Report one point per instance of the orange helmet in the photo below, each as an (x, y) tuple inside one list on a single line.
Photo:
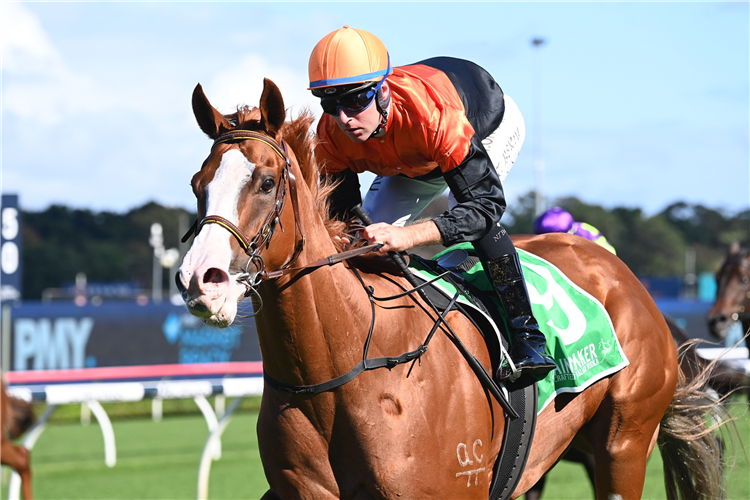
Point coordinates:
[(348, 56)]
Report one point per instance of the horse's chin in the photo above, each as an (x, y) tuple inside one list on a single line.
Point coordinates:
[(719, 324), (719, 332), (218, 321), (219, 312)]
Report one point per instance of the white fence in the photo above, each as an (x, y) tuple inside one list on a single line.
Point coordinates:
[(91, 394)]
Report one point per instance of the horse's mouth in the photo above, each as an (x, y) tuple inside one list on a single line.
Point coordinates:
[(217, 322), (719, 328), (218, 311), (219, 318), (213, 301), (198, 307)]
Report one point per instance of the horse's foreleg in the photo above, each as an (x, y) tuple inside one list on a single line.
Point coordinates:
[(17, 457)]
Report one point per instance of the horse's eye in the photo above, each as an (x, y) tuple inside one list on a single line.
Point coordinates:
[(745, 280), (267, 185)]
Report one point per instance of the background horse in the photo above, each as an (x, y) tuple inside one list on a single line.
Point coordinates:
[(17, 417), (426, 429), (732, 293)]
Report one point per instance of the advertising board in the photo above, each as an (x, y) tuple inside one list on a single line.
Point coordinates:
[(46, 336)]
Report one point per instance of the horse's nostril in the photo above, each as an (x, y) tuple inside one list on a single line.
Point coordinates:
[(715, 320), (216, 276)]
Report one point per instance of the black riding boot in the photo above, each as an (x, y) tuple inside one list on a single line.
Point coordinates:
[(527, 341)]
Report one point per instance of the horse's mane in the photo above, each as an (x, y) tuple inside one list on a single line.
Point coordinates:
[(297, 134)]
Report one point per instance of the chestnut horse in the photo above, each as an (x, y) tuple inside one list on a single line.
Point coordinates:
[(426, 429), (732, 293), (16, 417)]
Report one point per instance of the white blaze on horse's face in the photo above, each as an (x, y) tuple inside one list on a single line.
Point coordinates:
[(223, 192), (211, 292)]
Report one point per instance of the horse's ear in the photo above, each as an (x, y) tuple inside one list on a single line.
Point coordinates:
[(734, 248), (271, 108), (209, 119)]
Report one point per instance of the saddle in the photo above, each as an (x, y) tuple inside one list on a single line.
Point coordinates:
[(485, 314), (485, 307), (453, 262)]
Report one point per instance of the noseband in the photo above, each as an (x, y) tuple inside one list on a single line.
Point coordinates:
[(253, 246)]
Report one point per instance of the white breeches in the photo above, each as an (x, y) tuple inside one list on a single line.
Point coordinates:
[(399, 200)]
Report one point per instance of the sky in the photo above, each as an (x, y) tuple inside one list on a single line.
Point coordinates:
[(635, 104)]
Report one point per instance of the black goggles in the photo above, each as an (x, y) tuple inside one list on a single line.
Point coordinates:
[(353, 103)]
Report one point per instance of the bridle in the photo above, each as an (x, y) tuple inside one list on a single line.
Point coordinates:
[(253, 246)]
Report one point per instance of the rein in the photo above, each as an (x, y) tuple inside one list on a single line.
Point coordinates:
[(392, 361), (369, 363)]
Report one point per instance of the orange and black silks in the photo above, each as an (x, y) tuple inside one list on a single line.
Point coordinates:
[(441, 109)]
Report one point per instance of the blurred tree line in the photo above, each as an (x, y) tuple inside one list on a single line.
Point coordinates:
[(60, 242), (651, 245)]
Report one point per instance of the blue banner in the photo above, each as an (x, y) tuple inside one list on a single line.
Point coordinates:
[(59, 337)]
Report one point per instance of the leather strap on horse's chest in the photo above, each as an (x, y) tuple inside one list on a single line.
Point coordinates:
[(364, 365)]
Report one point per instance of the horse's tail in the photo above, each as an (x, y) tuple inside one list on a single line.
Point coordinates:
[(690, 448), (21, 417)]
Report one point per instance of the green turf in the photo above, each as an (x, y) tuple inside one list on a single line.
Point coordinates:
[(569, 480), (159, 460), (155, 460)]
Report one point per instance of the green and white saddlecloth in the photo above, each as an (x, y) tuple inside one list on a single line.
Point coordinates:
[(580, 335)]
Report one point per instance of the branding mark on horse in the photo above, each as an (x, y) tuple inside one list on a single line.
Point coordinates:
[(462, 451)]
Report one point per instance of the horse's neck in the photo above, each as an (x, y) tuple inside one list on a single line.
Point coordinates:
[(308, 315)]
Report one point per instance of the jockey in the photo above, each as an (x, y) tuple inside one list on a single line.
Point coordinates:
[(440, 123), (557, 220)]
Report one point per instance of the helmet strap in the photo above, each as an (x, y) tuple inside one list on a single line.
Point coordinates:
[(382, 105)]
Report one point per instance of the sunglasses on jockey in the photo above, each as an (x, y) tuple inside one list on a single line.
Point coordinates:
[(352, 99)]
